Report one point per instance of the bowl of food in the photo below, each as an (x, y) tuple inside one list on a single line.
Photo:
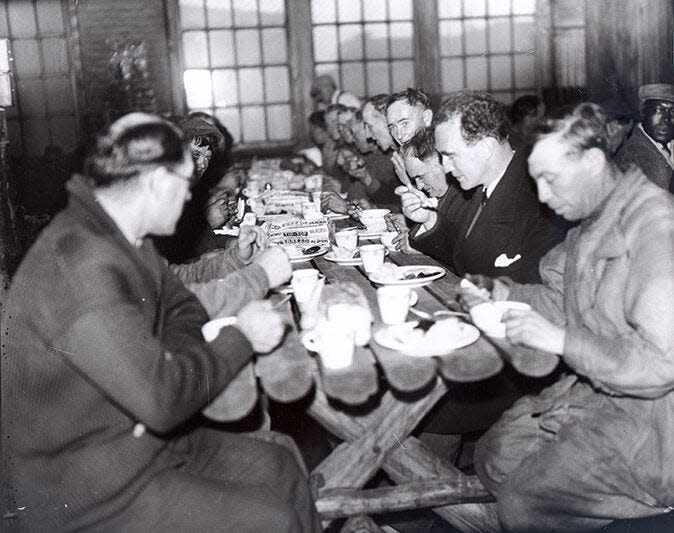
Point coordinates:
[(373, 219)]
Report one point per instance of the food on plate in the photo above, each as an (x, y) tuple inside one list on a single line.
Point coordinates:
[(311, 250), (418, 275)]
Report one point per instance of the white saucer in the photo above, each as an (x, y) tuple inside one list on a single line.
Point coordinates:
[(450, 335)]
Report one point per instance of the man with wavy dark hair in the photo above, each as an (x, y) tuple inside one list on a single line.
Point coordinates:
[(507, 230)]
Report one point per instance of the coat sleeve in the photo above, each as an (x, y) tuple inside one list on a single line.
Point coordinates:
[(212, 265), (223, 297), (639, 362), (160, 374)]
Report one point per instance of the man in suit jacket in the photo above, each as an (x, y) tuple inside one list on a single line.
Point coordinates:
[(105, 369), (650, 147), (505, 230)]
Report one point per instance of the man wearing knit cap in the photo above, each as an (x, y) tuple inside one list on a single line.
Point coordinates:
[(651, 145)]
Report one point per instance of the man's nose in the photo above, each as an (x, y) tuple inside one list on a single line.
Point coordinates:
[(543, 191), (447, 166)]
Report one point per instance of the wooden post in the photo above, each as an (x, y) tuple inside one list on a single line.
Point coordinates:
[(301, 65), (9, 243), (427, 49)]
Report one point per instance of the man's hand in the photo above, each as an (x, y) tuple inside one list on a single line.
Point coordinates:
[(411, 205), (275, 263), (396, 222), (531, 329), (401, 171), (219, 211), (261, 325), (488, 288), (252, 240), (331, 201)]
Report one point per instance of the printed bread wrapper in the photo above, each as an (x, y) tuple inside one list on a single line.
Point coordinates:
[(298, 231), (277, 202)]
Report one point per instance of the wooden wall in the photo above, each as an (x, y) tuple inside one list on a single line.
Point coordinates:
[(629, 43)]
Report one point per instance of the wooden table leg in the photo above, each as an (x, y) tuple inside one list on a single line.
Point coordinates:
[(409, 461)]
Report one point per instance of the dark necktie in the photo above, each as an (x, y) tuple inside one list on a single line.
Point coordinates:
[(483, 202)]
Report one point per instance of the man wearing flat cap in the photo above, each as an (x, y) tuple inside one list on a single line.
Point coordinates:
[(650, 146)]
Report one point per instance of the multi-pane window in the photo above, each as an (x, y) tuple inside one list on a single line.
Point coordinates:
[(44, 111), (488, 45), (366, 45), (235, 65)]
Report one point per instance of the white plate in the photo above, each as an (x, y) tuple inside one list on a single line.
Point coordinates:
[(306, 257), (437, 271), (336, 216), (449, 335), (370, 235), (349, 261)]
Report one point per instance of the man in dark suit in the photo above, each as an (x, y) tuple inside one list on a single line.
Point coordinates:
[(505, 230), (105, 369), (650, 147)]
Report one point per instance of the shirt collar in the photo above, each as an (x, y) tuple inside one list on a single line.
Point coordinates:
[(493, 184)]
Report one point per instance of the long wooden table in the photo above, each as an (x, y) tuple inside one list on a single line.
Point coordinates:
[(376, 403)]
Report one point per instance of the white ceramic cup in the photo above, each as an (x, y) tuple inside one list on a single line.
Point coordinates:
[(357, 317), (487, 316), (394, 303), (372, 256), (333, 341), (303, 282), (374, 219), (347, 238)]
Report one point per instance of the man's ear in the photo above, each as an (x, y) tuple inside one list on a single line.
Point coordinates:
[(427, 117), (486, 146), (154, 180), (594, 159)]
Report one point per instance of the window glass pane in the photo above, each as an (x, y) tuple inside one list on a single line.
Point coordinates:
[(403, 75), (449, 8), (49, 16), (219, 13), (279, 122), (476, 73), (64, 132), (498, 7), (351, 41), (26, 57), (374, 10), (501, 76), (4, 55), (476, 38), (21, 19), (192, 14), (348, 10), (272, 13), (323, 11), (452, 74), (505, 97), (525, 71), (6, 99), (400, 9), (525, 34), (253, 124), (60, 96), (245, 12), (250, 81), (499, 35), (474, 8), (377, 77), (198, 88), (55, 56), (567, 13), (248, 47), (276, 84), (376, 41), (354, 77), (331, 69), (222, 48), (194, 49), (450, 37), (36, 135), (225, 88), (401, 39), (274, 45), (325, 43), (524, 7), (231, 120), (31, 97)]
